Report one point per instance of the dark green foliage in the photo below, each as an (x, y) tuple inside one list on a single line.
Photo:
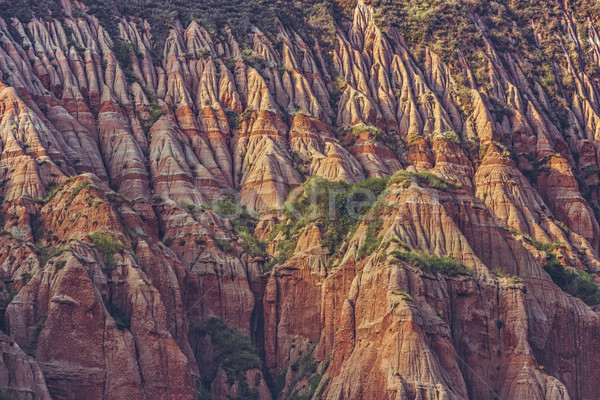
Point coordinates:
[(31, 344), (53, 189), (449, 136), (155, 111), (547, 247), (511, 278), (336, 208), (235, 353), (306, 367), (430, 262), (232, 118), (538, 167), (563, 227), (372, 240), (369, 246), (224, 245), (276, 382), (309, 18), (241, 220), (449, 29), (243, 225), (253, 246), (124, 52), (244, 117), (107, 245), (253, 59), (405, 296), (425, 178), (576, 283), (80, 186), (48, 252), (190, 206), (24, 10), (444, 23), (374, 131), (500, 109)]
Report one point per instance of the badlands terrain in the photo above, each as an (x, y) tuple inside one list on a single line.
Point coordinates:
[(299, 199)]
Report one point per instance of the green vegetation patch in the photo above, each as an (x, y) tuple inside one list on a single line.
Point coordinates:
[(243, 225), (53, 189), (335, 207), (430, 262), (80, 186), (576, 283), (48, 252), (107, 245), (405, 296), (307, 368), (235, 353), (372, 239), (425, 178), (511, 278), (374, 131)]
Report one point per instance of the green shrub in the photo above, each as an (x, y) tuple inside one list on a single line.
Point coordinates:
[(53, 189), (233, 118), (544, 246), (224, 245), (576, 283), (511, 278), (369, 246), (155, 111), (430, 262), (107, 246), (190, 206), (243, 225), (48, 252), (123, 52), (425, 178), (253, 246), (244, 117), (253, 59), (326, 204), (305, 368), (80, 186), (372, 240), (405, 296), (374, 131), (450, 136), (235, 352), (563, 227)]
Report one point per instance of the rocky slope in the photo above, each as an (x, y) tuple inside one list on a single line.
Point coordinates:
[(156, 241)]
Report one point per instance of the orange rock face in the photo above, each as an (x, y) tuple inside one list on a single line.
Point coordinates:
[(141, 199)]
